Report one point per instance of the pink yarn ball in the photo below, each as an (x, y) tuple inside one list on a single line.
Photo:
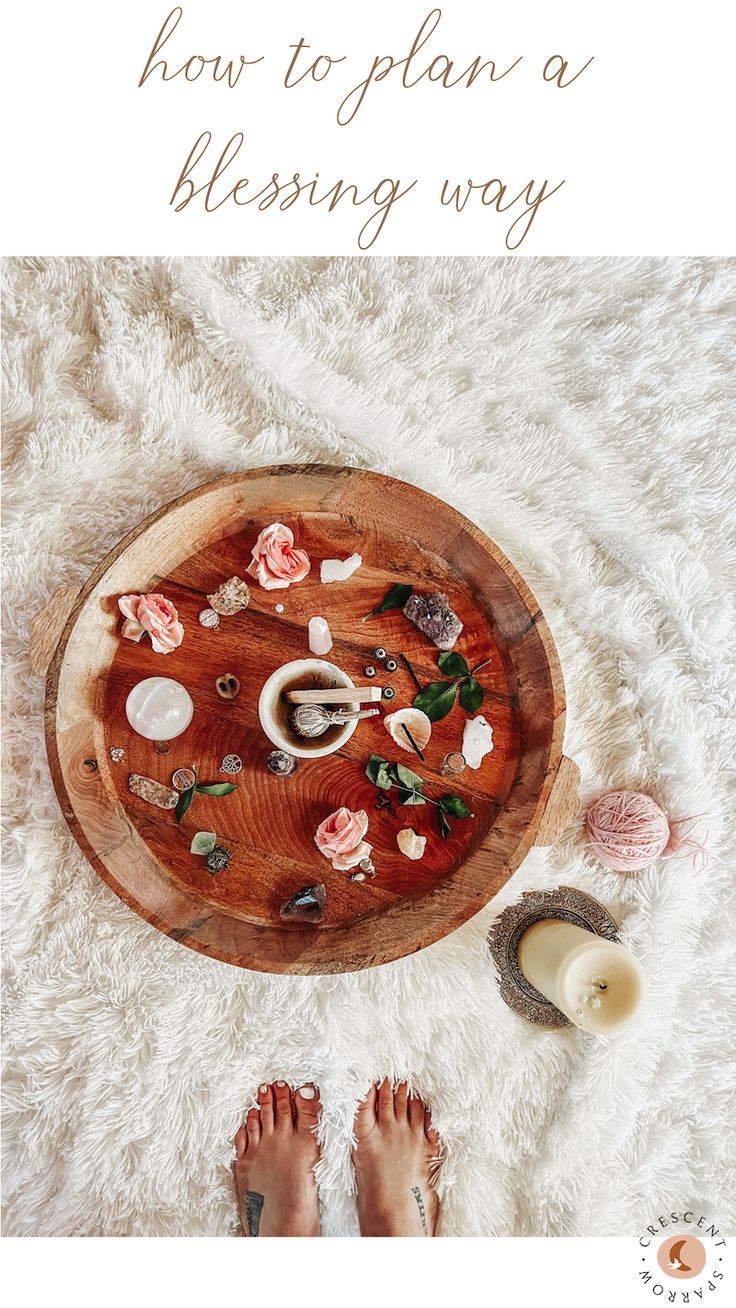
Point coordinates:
[(627, 831)]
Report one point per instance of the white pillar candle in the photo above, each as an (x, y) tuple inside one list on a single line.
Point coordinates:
[(320, 640), (597, 983), (159, 708)]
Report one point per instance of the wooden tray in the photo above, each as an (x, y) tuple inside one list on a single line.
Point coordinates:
[(524, 791)]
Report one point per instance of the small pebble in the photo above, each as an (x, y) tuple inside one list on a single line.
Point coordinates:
[(279, 608), (358, 876)]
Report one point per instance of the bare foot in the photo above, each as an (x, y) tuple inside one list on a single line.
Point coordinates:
[(395, 1146), (275, 1154)]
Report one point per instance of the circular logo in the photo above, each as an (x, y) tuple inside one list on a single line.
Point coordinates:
[(681, 1256)]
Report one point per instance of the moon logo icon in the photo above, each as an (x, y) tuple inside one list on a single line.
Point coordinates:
[(682, 1257), (676, 1262)]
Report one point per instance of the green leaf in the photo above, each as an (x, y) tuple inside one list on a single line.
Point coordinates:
[(453, 665), (445, 827), (219, 788), (455, 805), (376, 770), (406, 777), (395, 598), (183, 802), (437, 699), (472, 695), (409, 783), (203, 842), (406, 796)]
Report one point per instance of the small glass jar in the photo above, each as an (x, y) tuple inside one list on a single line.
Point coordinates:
[(453, 764)]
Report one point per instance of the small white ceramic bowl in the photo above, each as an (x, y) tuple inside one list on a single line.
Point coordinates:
[(271, 695)]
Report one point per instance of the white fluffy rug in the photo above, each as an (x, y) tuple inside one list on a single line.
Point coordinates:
[(579, 412)]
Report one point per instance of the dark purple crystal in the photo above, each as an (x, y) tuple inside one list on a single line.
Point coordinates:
[(432, 615), (307, 905)]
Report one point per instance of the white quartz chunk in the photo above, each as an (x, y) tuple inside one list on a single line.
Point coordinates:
[(339, 569), (477, 741), (410, 844)]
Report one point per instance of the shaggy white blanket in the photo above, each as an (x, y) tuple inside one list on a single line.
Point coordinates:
[(578, 411)]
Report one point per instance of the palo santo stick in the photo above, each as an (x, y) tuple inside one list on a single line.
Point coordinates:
[(345, 695)]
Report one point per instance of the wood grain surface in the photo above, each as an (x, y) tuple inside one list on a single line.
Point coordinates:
[(186, 550)]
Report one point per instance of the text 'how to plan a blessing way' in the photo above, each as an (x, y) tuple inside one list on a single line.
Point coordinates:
[(211, 173)]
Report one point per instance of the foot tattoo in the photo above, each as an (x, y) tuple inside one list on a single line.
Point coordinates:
[(253, 1208), (396, 1145), (420, 1205), (276, 1151)]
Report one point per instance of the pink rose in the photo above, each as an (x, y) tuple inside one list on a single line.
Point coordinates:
[(340, 838), (154, 614), (275, 561)]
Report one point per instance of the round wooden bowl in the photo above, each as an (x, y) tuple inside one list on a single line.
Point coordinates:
[(524, 791)]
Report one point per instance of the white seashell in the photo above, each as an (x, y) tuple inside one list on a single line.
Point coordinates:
[(477, 741), (339, 569), (410, 844), (416, 722)]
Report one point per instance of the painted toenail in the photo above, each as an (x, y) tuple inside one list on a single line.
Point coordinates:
[(306, 1092), (263, 1090), (281, 1083)]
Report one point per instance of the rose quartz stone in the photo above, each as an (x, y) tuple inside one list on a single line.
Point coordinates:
[(320, 640)]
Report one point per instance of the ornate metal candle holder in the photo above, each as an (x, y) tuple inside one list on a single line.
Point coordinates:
[(565, 903)]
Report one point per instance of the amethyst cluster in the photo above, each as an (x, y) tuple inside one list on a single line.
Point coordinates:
[(433, 616)]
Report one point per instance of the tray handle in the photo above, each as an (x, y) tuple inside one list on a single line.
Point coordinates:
[(563, 805), (46, 628)]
